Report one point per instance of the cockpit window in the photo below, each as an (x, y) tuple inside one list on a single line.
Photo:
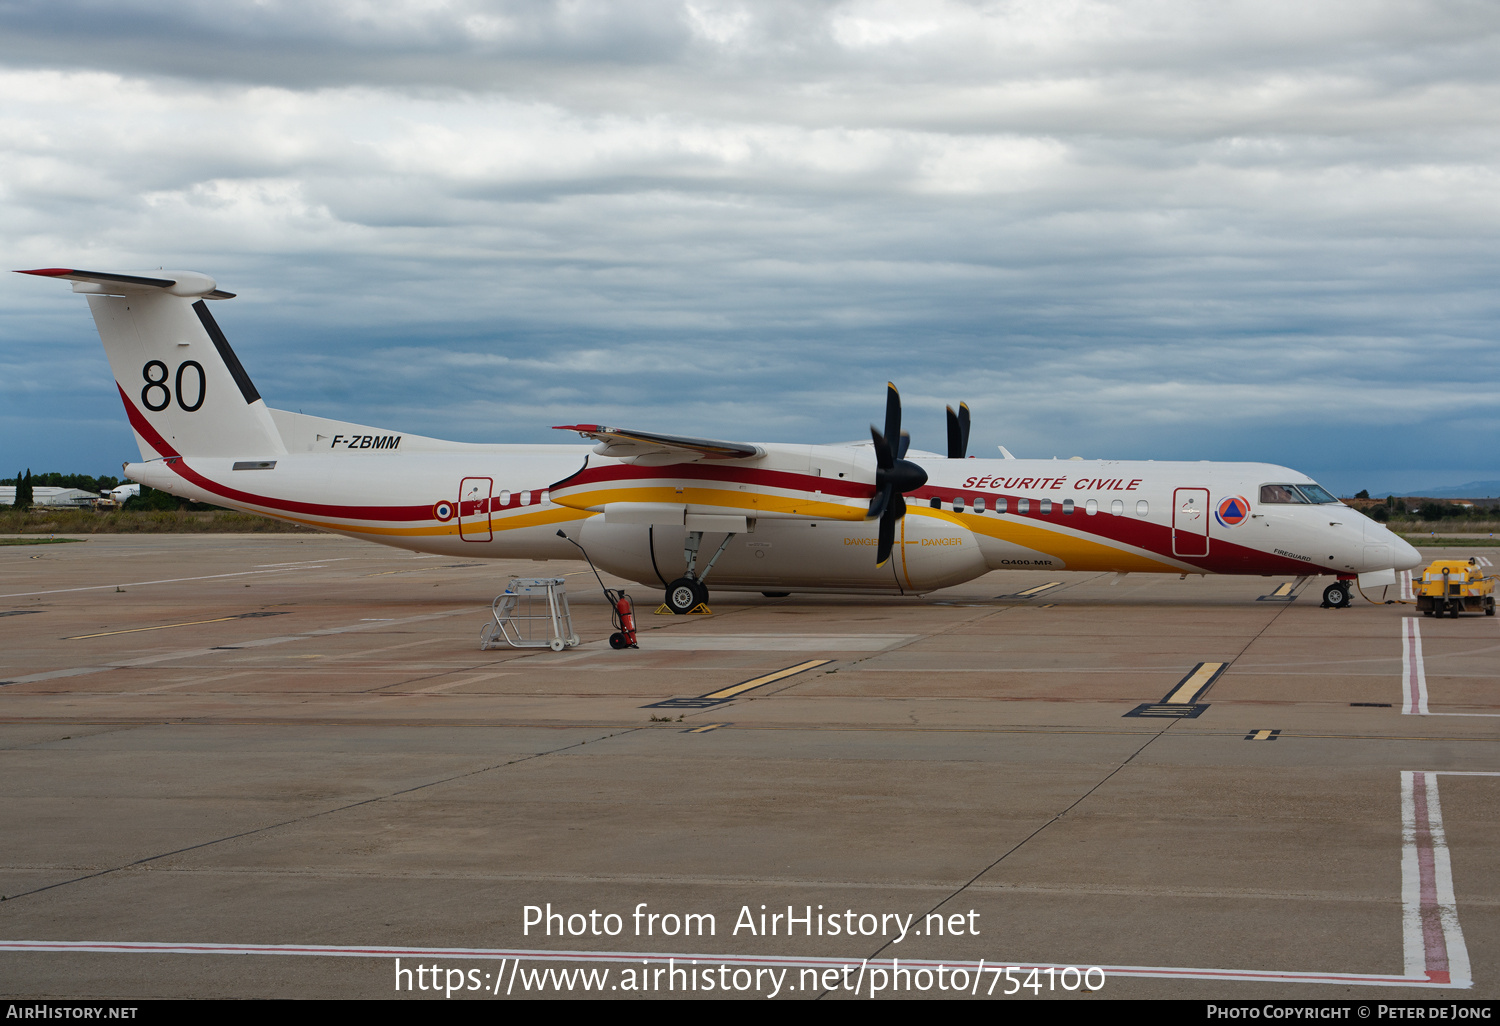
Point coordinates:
[(1289, 494), (1280, 495)]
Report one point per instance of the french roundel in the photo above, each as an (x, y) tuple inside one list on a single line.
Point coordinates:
[(1233, 511), (442, 510)]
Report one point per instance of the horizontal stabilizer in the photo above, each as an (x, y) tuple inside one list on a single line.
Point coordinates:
[(110, 283)]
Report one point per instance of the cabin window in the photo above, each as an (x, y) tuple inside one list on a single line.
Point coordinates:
[(958, 504), (1046, 506), (1001, 504), (1315, 494), (1091, 507), (546, 497), (1067, 507), (505, 496), (1117, 508), (1142, 507), (1023, 505), (935, 502), (526, 498), (979, 504)]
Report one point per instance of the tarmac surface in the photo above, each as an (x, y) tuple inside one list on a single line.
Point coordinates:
[(296, 741)]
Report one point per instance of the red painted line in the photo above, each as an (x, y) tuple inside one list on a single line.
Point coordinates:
[(1434, 944)]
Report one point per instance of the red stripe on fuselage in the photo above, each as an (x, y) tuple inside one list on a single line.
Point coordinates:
[(735, 475), (176, 462)]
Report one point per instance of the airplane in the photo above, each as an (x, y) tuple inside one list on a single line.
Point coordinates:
[(875, 518)]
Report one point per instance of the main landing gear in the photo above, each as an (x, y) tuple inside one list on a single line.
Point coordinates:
[(689, 592), (1337, 595)]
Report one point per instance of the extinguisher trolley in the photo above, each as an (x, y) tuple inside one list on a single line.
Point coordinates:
[(532, 613)]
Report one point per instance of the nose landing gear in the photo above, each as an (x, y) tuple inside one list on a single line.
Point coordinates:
[(1336, 595)]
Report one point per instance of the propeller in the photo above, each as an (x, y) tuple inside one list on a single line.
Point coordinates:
[(958, 432), (894, 475)]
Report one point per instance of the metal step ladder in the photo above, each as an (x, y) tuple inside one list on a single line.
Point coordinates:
[(531, 613)]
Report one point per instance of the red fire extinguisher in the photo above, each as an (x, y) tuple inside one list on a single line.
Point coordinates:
[(624, 617), (621, 611)]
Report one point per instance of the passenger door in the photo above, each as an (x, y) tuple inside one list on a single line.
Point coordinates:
[(1190, 522), (474, 509)]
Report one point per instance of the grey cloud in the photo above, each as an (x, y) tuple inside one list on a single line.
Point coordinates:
[(1164, 229)]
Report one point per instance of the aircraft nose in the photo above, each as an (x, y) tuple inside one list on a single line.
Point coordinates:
[(1405, 555)]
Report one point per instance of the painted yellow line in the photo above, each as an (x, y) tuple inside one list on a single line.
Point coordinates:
[(704, 729), (1193, 683), (770, 678), (1038, 589), (1285, 589), (137, 630), (1261, 735)]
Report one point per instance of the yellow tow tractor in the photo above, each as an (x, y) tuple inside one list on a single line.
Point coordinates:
[(1455, 586)]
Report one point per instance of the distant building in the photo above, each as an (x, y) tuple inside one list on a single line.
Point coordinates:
[(45, 495)]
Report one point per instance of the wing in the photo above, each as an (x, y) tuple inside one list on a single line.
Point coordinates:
[(646, 449)]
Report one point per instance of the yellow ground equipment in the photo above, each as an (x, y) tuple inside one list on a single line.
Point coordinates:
[(1455, 586)]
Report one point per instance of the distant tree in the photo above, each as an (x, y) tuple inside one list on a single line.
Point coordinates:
[(24, 491), (1432, 510), (1390, 502), (152, 498), (1380, 514), (1363, 493)]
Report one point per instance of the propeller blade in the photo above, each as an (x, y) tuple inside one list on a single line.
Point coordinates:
[(958, 432), (887, 539), (884, 458), (903, 445), (878, 502), (892, 413)]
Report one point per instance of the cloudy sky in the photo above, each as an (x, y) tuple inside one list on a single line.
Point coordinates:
[(1208, 229)]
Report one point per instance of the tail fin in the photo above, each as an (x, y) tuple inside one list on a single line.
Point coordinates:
[(184, 389)]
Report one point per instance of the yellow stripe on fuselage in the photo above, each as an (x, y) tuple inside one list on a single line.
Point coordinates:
[(515, 521), (719, 498), (1078, 553)]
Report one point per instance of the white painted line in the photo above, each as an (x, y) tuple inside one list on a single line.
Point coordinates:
[(305, 562), (659, 957), (1433, 943), (142, 584), (1413, 672), (450, 685), (1406, 595), (190, 653), (765, 642)]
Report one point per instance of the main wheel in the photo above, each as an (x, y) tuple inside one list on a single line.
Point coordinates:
[(1336, 596), (683, 595), (1489, 608)]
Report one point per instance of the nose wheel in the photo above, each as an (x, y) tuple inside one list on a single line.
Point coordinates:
[(1336, 596)]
